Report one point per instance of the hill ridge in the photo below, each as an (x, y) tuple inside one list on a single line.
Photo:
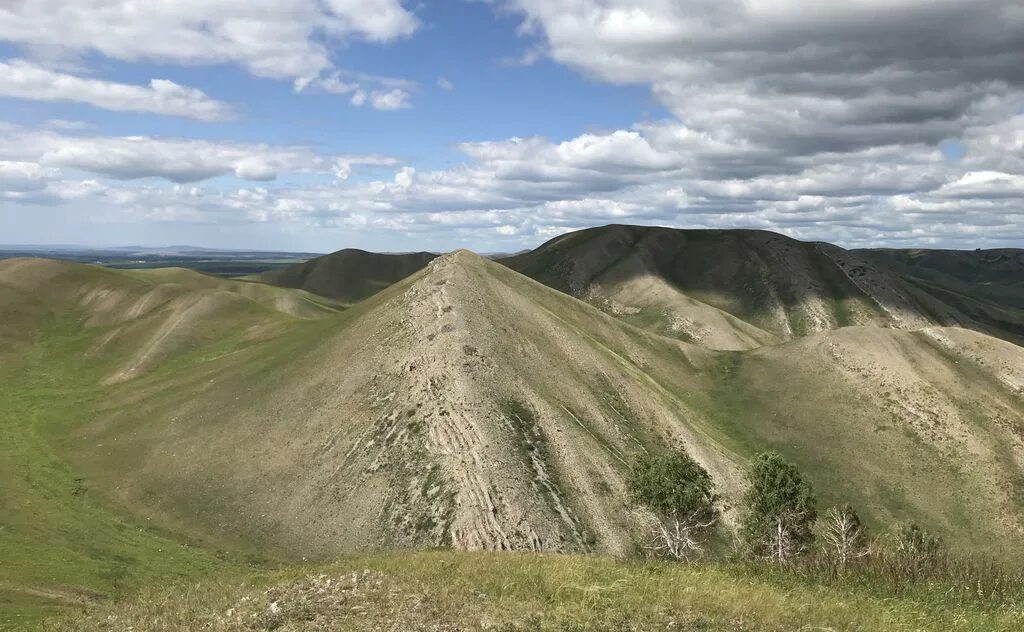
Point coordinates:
[(738, 289), (349, 275)]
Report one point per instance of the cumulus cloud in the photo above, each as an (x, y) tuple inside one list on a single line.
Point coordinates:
[(173, 159), (281, 40), (21, 176), (396, 99), (820, 121), (380, 93), (800, 77), (278, 40), (24, 80)]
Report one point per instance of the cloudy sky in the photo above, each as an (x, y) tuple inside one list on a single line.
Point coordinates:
[(398, 125)]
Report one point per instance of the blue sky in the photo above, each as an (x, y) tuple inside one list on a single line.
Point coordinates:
[(390, 125)]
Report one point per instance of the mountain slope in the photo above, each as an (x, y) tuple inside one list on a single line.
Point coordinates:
[(996, 276), (467, 405), (987, 285), (739, 289), (147, 315), (471, 406), (74, 339), (411, 422), (347, 275)]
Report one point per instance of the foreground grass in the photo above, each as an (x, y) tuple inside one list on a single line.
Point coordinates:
[(446, 590)]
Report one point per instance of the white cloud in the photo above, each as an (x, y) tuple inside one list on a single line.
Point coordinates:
[(404, 177), (820, 122), (387, 100), (24, 80), (174, 159), (512, 193), (799, 77), (396, 99), (382, 93), (21, 176), (280, 40), (985, 184), (444, 84)]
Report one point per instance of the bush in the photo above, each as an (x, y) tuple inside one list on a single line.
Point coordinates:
[(780, 511), (915, 544), (681, 494)]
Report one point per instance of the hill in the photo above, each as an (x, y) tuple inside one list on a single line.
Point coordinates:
[(739, 289), (466, 405), (347, 275), (993, 277), (471, 406), (70, 334)]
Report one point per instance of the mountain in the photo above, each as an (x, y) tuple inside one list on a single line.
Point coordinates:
[(157, 423), (471, 406), (347, 275), (740, 289)]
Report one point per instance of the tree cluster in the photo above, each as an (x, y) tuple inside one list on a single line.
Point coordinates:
[(780, 520)]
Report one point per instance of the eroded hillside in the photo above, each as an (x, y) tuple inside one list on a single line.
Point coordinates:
[(471, 406)]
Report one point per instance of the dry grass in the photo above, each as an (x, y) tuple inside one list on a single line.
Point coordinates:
[(502, 591)]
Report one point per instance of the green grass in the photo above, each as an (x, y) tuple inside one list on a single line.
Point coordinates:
[(509, 591), (57, 536)]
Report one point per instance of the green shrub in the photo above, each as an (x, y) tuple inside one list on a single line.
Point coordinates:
[(780, 511), (681, 494)]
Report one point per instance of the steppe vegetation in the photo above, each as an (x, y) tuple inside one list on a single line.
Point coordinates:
[(176, 446)]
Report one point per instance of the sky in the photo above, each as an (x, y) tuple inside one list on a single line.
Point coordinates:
[(395, 125)]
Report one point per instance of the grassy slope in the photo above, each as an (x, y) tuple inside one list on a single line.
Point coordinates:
[(511, 592), (59, 540), (62, 541), (598, 390), (216, 447)]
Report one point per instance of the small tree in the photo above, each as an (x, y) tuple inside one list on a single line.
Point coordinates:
[(780, 509), (843, 535), (681, 495)]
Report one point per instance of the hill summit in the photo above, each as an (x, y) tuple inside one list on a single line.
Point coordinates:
[(348, 275), (739, 289)]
